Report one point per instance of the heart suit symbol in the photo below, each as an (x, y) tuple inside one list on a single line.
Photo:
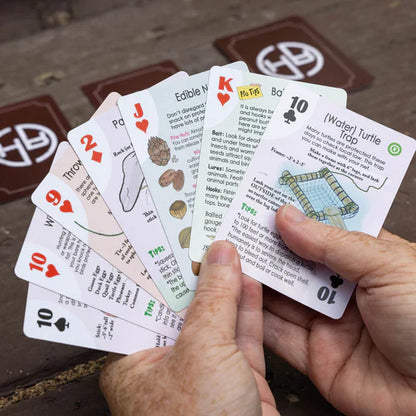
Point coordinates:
[(223, 98), (51, 271), (66, 206), (142, 125)]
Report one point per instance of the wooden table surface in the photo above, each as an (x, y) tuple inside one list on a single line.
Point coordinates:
[(91, 40)]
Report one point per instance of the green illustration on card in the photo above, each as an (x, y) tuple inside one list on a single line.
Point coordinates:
[(96, 232), (321, 196)]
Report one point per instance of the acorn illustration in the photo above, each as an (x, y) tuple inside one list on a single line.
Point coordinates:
[(185, 237), (178, 209), (158, 150)]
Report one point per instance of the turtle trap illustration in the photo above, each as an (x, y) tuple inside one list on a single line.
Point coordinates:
[(321, 196)]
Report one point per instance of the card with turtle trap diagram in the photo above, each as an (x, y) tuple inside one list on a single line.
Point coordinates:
[(337, 167)]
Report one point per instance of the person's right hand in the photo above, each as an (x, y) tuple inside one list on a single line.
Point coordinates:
[(365, 362)]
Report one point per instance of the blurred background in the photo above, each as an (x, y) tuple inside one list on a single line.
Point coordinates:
[(57, 47)]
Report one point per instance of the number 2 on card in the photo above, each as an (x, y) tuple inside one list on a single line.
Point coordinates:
[(89, 145)]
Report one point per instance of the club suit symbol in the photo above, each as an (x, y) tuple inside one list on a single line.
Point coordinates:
[(336, 281), (289, 116)]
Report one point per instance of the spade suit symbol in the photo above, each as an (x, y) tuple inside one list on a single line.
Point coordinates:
[(61, 324), (289, 116)]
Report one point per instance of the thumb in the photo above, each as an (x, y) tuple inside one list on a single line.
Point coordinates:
[(211, 317), (385, 272), (355, 256)]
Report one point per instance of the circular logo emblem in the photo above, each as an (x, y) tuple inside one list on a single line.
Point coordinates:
[(292, 58), (394, 149), (27, 138)]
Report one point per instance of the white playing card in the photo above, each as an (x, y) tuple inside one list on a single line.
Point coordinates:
[(69, 196), (64, 264), (53, 317), (336, 166), (239, 106), (120, 181)]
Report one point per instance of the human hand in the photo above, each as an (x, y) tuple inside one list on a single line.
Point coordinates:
[(217, 363), (365, 362)]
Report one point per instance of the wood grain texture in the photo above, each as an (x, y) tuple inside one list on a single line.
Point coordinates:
[(81, 398)]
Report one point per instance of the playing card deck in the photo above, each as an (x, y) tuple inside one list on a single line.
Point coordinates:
[(148, 183)]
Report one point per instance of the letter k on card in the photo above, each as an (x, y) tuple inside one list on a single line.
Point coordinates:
[(224, 85)]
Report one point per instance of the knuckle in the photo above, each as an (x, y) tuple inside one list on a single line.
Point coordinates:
[(210, 291), (207, 300), (333, 237), (337, 240)]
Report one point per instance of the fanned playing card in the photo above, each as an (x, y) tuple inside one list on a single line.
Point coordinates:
[(121, 183), (79, 271), (337, 167), (50, 316), (64, 264), (239, 107), (165, 126)]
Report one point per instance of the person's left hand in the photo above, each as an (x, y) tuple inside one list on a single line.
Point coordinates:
[(217, 363)]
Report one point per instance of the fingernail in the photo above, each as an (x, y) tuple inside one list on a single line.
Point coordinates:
[(220, 252), (292, 214)]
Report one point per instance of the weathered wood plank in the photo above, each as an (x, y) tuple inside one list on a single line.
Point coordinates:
[(18, 19), (376, 34), (81, 397), (295, 396), (294, 393), (91, 8)]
